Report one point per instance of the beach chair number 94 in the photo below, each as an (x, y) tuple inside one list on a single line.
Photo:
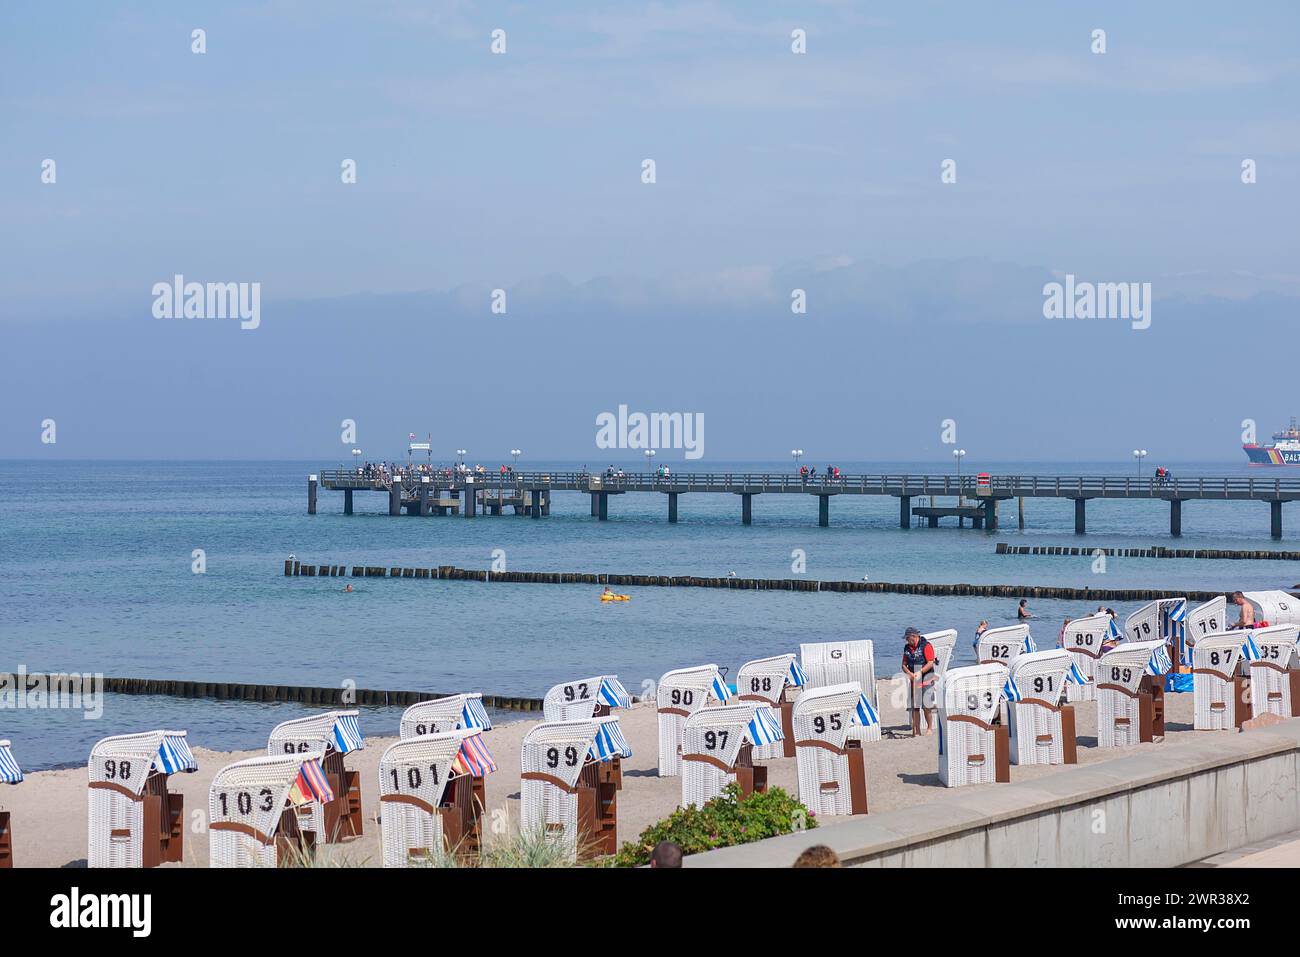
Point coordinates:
[(553, 757), (1121, 674), (834, 721), (578, 692), (244, 802), (413, 777), (683, 697), (114, 770), (715, 740)]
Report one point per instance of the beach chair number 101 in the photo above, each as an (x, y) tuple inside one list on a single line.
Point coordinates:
[(244, 802), (414, 779)]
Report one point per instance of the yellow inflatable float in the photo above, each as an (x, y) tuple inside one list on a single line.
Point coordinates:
[(610, 596)]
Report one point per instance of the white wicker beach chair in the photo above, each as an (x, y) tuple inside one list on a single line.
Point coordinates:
[(334, 734), (585, 698), (1041, 725), (832, 773), (568, 792), (134, 820), (944, 642), (718, 747), (1083, 638), (1207, 619), (1001, 646), (1218, 690), (679, 695), (456, 712), (255, 807), (838, 662), (413, 776), (10, 773), (1162, 618), (971, 749), (1274, 668), (767, 680), (1122, 717), (1275, 607)]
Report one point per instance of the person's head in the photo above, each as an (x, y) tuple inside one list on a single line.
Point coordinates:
[(1238, 598), (666, 854), (912, 637), (1023, 601), (819, 855), (984, 623)]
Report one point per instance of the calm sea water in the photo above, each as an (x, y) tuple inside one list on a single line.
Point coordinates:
[(95, 576)]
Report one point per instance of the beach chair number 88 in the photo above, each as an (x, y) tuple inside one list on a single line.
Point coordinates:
[(820, 723), (1121, 674), (112, 769), (244, 802), (760, 684), (579, 694), (714, 740), (553, 757)]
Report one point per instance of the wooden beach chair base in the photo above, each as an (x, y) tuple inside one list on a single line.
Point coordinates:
[(6, 842), (1069, 739), (751, 777), (857, 776), (597, 811), (461, 811)]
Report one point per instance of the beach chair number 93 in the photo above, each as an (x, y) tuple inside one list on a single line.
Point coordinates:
[(553, 757), (115, 770), (414, 779), (578, 692), (244, 802), (833, 721), (715, 740), (974, 699)]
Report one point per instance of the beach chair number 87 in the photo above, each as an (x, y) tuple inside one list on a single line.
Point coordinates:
[(553, 757), (580, 694), (113, 769), (715, 740), (835, 721)]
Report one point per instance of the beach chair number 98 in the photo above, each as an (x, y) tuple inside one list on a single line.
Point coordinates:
[(1121, 674), (578, 693), (413, 777), (683, 697), (114, 769), (553, 757), (715, 740), (244, 802), (820, 723)]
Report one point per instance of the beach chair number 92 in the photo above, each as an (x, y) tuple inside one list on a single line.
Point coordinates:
[(117, 770), (715, 740), (553, 757), (244, 802), (834, 721), (577, 693)]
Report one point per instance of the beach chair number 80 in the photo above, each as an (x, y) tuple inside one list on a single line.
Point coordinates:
[(1084, 640), (111, 769), (582, 693), (553, 757), (973, 700), (836, 722), (1121, 674), (414, 778), (244, 802), (683, 697), (715, 740)]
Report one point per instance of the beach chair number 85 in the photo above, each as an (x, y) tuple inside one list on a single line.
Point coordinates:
[(553, 757), (581, 693), (715, 740), (835, 721), (112, 769), (244, 802)]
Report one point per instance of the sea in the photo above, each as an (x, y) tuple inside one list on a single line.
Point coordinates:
[(98, 574)]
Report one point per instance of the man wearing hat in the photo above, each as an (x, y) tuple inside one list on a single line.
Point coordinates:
[(918, 665)]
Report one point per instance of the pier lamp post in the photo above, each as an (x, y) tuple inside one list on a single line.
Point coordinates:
[(514, 454), (649, 458), (356, 457), (462, 453), (1139, 454), (796, 453), (959, 454)]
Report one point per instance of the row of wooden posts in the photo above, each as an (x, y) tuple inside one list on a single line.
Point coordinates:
[(1156, 551), (452, 573)]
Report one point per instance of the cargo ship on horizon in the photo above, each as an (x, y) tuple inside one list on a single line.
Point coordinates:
[(1285, 449)]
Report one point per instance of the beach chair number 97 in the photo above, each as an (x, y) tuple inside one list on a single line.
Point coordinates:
[(579, 693), (715, 740), (553, 757), (114, 770), (244, 802), (834, 721)]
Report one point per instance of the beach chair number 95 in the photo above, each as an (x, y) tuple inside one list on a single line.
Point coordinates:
[(715, 740), (833, 721), (577, 692), (244, 802), (117, 770), (553, 757), (1121, 674)]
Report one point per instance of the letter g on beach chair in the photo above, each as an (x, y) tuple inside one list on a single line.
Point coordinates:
[(1274, 670), (254, 807), (767, 680), (679, 695), (838, 662), (832, 770), (334, 734), (134, 820), (1041, 725), (1130, 693), (718, 746), (10, 773), (971, 749)]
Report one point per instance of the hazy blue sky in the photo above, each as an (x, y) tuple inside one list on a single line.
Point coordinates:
[(523, 171)]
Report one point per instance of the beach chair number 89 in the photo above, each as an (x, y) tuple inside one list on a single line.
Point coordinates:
[(244, 802), (553, 757), (819, 723), (113, 769), (580, 694), (1121, 674), (714, 740)]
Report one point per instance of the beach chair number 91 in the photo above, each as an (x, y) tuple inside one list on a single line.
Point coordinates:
[(244, 802), (553, 757), (413, 777), (834, 721), (715, 740), (577, 693), (1044, 683), (114, 770)]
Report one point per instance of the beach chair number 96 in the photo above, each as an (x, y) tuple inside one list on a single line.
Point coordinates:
[(553, 757), (683, 697), (1121, 674), (579, 693), (834, 721), (715, 740), (114, 769), (244, 802)]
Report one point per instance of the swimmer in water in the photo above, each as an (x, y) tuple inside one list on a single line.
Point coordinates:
[(349, 588)]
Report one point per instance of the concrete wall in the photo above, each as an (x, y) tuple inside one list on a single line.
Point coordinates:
[(1169, 805)]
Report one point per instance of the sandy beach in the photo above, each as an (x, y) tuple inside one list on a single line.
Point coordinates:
[(49, 808)]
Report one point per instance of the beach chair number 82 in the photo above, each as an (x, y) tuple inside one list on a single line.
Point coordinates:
[(553, 757), (580, 694), (999, 651)]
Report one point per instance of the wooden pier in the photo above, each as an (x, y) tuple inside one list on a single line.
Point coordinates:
[(529, 493)]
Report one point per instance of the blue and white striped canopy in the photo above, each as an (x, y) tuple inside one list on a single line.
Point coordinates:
[(1074, 675), (10, 772), (1179, 612), (1029, 644), (1011, 690), (609, 743), (613, 693), (1159, 662), (864, 714), (1249, 650), (797, 677), (347, 734), (1115, 633), (764, 728), (475, 716), (174, 755), (720, 689)]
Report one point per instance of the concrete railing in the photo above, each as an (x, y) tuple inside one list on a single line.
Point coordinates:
[(1169, 805)]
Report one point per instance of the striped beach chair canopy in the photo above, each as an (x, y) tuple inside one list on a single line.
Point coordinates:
[(1128, 663), (128, 759), (474, 758), (943, 642), (1275, 607), (10, 772), (1001, 646), (609, 742), (1041, 676), (1276, 644), (575, 700), (457, 712), (1218, 654), (332, 730), (765, 679), (1162, 618)]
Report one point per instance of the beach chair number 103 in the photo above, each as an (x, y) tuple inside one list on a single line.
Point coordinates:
[(244, 802)]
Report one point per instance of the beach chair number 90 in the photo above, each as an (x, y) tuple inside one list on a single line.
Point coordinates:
[(413, 777), (834, 721), (1121, 674), (114, 769), (715, 740), (760, 684), (244, 802), (553, 757), (579, 693), (973, 700), (683, 697)]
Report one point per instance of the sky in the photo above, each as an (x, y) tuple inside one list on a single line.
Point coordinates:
[(523, 171)]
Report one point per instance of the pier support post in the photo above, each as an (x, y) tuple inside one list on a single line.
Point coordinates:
[(395, 498), (1275, 513), (1022, 513), (595, 504), (747, 508), (347, 501), (535, 496), (1175, 517), (824, 511), (904, 511), (546, 504), (471, 501), (423, 508), (311, 495), (1080, 516), (672, 508), (991, 515), (602, 511)]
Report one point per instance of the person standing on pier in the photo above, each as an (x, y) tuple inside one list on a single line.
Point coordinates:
[(918, 665)]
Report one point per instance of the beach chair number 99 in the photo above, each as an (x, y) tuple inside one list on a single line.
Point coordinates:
[(683, 697), (973, 700), (760, 684), (413, 777), (553, 757), (820, 723), (715, 740), (1121, 674), (114, 769), (578, 693), (244, 802)]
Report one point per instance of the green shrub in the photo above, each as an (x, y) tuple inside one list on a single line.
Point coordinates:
[(724, 821)]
